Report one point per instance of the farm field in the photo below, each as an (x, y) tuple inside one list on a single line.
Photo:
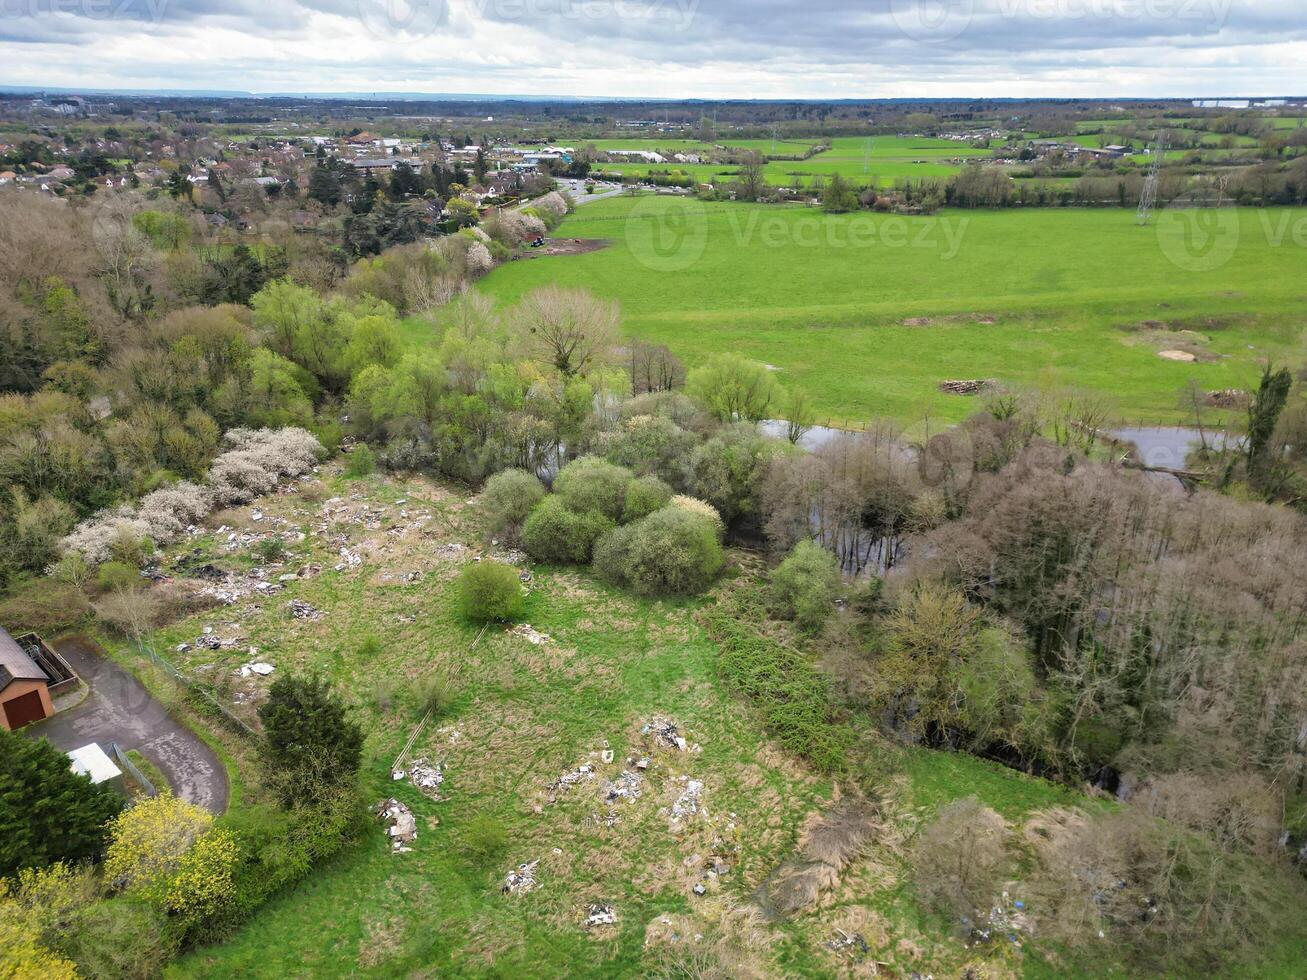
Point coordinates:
[(869, 313), (521, 715), (890, 158)]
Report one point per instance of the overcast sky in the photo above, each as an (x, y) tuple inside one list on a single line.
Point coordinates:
[(665, 48)]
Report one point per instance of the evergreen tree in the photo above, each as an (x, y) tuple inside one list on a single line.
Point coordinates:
[(312, 746), (48, 813)]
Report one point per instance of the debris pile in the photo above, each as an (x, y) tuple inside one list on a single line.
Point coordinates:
[(348, 559), (1227, 398), (426, 777), (1004, 921), (600, 915), (257, 667), (971, 386), (401, 825), (689, 802), (569, 779), (302, 610), (521, 879), (530, 634), (848, 945), (627, 786), (665, 733)]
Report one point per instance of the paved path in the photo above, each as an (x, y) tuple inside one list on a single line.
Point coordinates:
[(121, 710)]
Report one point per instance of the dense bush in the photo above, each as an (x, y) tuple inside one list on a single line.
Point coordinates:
[(48, 813), (670, 552), (961, 860), (313, 747), (114, 575), (591, 484), (785, 686), (490, 591), (553, 533), (644, 496), (804, 585), (728, 469), (506, 502)]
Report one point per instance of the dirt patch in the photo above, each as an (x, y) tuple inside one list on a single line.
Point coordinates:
[(969, 386), (568, 246), (830, 845), (984, 319)]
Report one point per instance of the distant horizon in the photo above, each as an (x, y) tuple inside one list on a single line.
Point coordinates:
[(419, 96)]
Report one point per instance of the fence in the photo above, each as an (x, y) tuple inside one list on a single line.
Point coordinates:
[(132, 770), (199, 689)]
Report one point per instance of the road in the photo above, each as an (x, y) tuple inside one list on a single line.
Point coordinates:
[(121, 710), (603, 189)]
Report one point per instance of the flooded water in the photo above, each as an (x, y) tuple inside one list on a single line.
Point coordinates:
[(1167, 446), (816, 437)]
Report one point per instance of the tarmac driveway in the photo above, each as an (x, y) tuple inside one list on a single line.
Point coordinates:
[(120, 710)]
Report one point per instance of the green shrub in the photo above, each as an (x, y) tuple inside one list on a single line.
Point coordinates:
[(114, 575), (490, 591), (271, 549), (670, 552), (790, 692), (612, 554), (44, 606), (360, 461), (434, 693), (484, 839), (506, 502), (594, 484), (804, 586), (553, 533), (644, 496)]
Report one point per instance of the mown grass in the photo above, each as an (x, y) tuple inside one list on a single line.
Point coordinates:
[(868, 313), (517, 716)]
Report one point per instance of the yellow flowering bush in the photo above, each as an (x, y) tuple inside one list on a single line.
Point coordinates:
[(149, 842), (22, 955), (204, 882)]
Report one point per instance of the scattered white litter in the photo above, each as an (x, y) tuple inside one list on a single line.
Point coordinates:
[(521, 879), (258, 667), (688, 803), (528, 633), (426, 777), (401, 825), (600, 915)]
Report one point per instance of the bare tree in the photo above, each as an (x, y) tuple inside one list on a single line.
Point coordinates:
[(570, 328)]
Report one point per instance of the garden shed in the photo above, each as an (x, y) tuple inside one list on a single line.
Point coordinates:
[(31, 675)]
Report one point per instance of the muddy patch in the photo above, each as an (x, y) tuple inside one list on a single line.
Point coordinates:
[(568, 246)]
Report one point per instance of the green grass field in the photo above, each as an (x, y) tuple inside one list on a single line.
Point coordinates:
[(868, 313), (520, 716), (883, 159)]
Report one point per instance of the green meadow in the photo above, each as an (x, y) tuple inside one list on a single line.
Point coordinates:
[(882, 159), (868, 313)]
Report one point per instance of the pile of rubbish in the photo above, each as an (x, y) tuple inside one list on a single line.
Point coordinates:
[(427, 778), (664, 733), (521, 879), (689, 802), (401, 825), (348, 559), (600, 915), (258, 667), (627, 786), (1005, 921), (528, 633), (848, 945), (971, 386), (569, 779), (210, 640), (302, 610)]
